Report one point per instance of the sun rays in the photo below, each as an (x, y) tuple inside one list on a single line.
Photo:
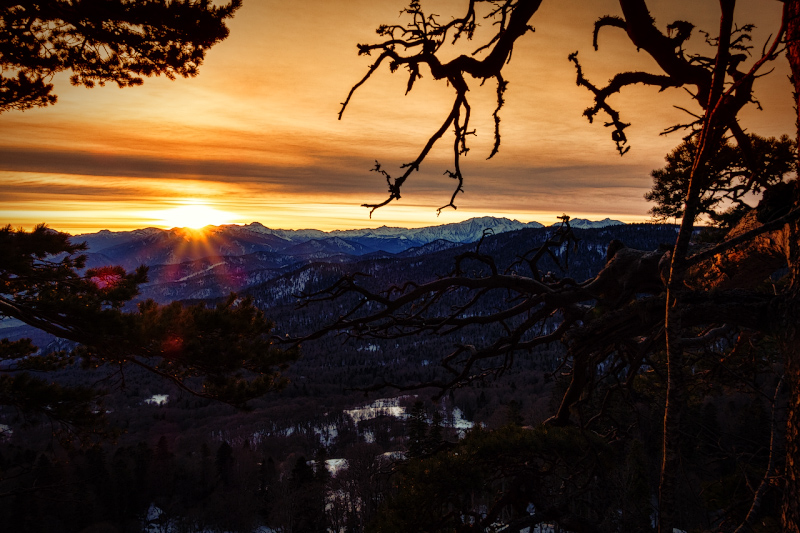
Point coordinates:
[(194, 214)]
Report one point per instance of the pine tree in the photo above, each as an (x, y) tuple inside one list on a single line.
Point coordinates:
[(417, 429), (514, 416), (436, 432), (307, 499), (116, 41), (44, 283), (224, 462)]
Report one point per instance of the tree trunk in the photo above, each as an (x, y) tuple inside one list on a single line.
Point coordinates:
[(791, 346), (791, 335), (713, 128)]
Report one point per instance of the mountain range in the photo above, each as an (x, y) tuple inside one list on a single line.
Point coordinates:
[(210, 263), (153, 246), (188, 264), (274, 266)]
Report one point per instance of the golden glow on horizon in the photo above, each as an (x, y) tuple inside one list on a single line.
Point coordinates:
[(247, 145), (80, 204), (194, 215)]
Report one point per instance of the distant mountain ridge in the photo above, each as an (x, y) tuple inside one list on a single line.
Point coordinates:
[(582, 223), (153, 246), (180, 244), (579, 261), (467, 231), (212, 262)]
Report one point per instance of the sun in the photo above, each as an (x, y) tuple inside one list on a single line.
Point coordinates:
[(194, 215)]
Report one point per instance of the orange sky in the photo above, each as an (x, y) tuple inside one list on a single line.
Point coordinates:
[(256, 136)]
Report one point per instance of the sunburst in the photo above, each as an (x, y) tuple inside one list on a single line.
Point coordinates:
[(194, 215)]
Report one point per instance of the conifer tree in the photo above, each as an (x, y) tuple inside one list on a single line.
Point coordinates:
[(113, 41), (731, 178), (417, 429), (222, 352)]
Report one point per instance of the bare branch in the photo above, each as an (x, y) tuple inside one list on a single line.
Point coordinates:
[(369, 73), (602, 22), (766, 481), (396, 183), (501, 89), (744, 237), (424, 36)]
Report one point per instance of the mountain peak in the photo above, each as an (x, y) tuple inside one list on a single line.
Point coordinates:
[(582, 223), (159, 246)]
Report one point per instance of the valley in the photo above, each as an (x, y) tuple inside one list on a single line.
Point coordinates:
[(323, 414)]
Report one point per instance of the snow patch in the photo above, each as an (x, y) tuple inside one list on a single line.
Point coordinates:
[(459, 422), (334, 466), (157, 399), (212, 267), (382, 407), (369, 348), (327, 434)]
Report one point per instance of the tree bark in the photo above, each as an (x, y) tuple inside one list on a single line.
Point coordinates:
[(714, 125), (791, 336), (791, 346)]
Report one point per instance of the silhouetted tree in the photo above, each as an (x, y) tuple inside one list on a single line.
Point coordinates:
[(514, 417), (358, 489), (306, 499), (417, 425), (645, 310), (729, 178), (98, 42), (224, 462), (435, 438), (790, 336), (43, 283), (495, 477)]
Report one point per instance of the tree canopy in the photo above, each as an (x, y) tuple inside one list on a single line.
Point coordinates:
[(731, 180), (102, 41), (223, 352)]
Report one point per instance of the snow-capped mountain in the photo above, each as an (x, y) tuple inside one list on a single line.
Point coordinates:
[(468, 231), (193, 264), (578, 261), (434, 246), (154, 246), (331, 245), (582, 223), (107, 239)]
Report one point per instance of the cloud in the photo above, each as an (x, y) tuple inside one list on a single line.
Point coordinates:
[(67, 176), (257, 130)]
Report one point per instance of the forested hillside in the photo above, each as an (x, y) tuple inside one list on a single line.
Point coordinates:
[(484, 376), (180, 460)]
